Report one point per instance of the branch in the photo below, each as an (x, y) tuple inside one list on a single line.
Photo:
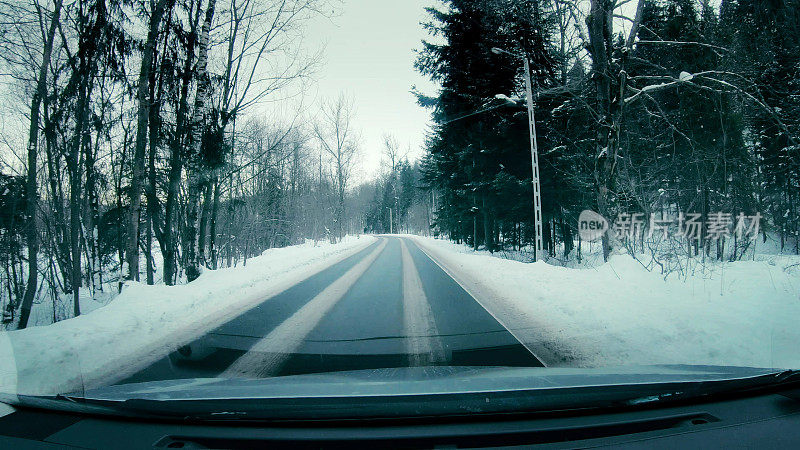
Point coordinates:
[(701, 44)]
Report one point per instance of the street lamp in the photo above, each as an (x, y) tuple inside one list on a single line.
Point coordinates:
[(537, 196), (507, 99)]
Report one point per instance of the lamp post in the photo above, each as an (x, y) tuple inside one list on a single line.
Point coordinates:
[(537, 196)]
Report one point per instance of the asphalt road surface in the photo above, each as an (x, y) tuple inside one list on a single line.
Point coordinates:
[(390, 305)]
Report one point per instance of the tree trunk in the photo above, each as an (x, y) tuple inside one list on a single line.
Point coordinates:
[(89, 198), (153, 221), (118, 188), (176, 162), (197, 177), (132, 254), (59, 233), (202, 240), (32, 198), (487, 229), (190, 235), (73, 164), (599, 23), (75, 203), (170, 241), (212, 251), (228, 222)]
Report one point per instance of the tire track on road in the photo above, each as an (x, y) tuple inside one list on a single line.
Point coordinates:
[(267, 356), (505, 321), (422, 335)]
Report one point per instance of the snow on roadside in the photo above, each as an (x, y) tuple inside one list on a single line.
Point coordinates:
[(144, 323), (741, 313)]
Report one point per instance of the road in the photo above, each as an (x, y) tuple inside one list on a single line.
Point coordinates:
[(389, 305)]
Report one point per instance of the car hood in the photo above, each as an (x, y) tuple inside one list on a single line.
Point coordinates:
[(412, 392), (420, 381)]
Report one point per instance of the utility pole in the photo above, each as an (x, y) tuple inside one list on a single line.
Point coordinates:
[(537, 197)]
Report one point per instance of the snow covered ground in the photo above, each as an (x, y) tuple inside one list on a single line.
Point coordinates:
[(144, 323), (739, 313)]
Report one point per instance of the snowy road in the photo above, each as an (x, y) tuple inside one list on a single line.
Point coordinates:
[(389, 305)]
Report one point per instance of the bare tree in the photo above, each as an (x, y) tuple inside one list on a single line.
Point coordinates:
[(569, 39), (340, 144), (31, 186), (392, 151), (610, 79), (142, 90), (177, 155)]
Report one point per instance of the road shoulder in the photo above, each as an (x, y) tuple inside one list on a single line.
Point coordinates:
[(531, 332)]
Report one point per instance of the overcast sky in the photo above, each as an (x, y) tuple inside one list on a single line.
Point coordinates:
[(369, 55)]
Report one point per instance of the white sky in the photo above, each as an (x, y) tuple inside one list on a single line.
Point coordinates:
[(369, 56)]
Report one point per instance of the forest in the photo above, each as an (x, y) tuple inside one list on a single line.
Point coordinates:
[(654, 107)]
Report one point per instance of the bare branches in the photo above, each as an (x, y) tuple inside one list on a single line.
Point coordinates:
[(680, 43), (339, 142), (264, 51), (392, 151), (688, 80), (635, 26)]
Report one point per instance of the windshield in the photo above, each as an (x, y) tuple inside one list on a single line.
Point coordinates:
[(210, 195)]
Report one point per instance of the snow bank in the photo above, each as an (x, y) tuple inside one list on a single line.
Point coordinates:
[(144, 323), (742, 313)]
